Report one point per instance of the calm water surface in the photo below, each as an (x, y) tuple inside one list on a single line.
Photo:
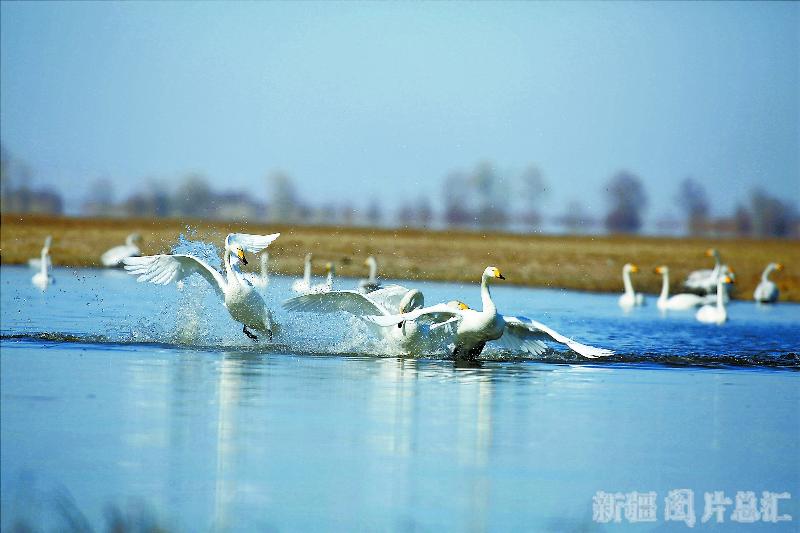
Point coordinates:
[(129, 396)]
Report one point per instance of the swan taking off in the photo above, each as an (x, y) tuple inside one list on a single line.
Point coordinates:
[(706, 280), (244, 303), (371, 283), (43, 278), (630, 298), (303, 285), (715, 314), (114, 256), (410, 337), (767, 291), (678, 302), (473, 329)]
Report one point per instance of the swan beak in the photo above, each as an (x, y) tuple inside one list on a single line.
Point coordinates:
[(658, 270), (728, 280), (240, 255), (498, 275), (634, 268), (709, 252), (463, 306), (779, 267)]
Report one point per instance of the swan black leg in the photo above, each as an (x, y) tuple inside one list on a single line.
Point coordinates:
[(244, 330)]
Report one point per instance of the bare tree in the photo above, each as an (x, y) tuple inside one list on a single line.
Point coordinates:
[(99, 199), (374, 213), (194, 197), (455, 194), (283, 198), (771, 217), (533, 190), (627, 199), (693, 201)]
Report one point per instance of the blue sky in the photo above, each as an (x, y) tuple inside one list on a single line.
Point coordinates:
[(386, 98)]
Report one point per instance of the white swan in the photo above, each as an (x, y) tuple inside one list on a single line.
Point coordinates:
[(715, 314), (114, 256), (244, 304), (371, 283), (705, 280), (630, 298), (410, 337), (325, 286), (259, 280), (303, 285), (677, 302), (473, 329), (43, 278), (36, 262), (767, 291)]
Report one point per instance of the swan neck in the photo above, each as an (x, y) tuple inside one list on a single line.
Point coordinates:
[(329, 279), (226, 258), (664, 286), (264, 266), (373, 271), (720, 300), (626, 281), (766, 273), (307, 271), (43, 266), (486, 296)]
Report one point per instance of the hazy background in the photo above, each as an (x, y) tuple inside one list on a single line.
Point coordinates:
[(522, 115)]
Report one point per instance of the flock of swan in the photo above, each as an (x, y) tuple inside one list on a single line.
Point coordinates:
[(714, 283), (394, 313)]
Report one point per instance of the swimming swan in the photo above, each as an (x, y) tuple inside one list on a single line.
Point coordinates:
[(767, 291), (677, 302), (303, 285), (473, 329), (705, 280), (715, 314), (325, 286), (244, 304), (259, 280), (409, 337), (42, 278), (630, 298), (36, 262), (371, 283), (114, 256)]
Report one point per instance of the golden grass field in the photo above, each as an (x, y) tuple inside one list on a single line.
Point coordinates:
[(581, 263)]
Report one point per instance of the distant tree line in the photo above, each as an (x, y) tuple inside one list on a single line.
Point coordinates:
[(483, 197)]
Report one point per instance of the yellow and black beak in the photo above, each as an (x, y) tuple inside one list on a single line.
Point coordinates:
[(240, 255), (728, 280), (634, 268), (498, 275), (463, 306)]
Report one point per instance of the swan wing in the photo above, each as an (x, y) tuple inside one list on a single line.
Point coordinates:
[(351, 302), (389, 297), (432, 314), (163, 269), (251, 243), (524, 327)]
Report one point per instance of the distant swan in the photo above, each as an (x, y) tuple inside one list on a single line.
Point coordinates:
[(43, 278), (678, 302), (303, 285), (36, 262), (630, 298), (475, 328), (325, 286), (715, 314), (259, 280), (114, 256), (244, 304), (767, 291), (706, 280), (371, 283)]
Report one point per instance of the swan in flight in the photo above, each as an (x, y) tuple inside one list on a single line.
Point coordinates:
[(630, 298), (677, 302), (706, 280), (259, 280), (114, 256), (473, 329), (716, 314), (767, 291), (371, 283), (244, 303), (303, 285), (43, 278), (36, 262), (410, 337), (325, 286)]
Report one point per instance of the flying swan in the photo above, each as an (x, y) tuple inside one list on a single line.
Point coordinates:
[(677, 302), (630, 298), (244, 303), (767, 291), (114, 256), (43, 278), (473, 329)]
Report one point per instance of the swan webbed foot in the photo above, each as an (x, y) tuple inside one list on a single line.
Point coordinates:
[(251, 335), (468, 358)]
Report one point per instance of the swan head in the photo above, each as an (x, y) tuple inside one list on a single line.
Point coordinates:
[(370, 262), (492, 272), (661, 270), (712, 252), (238, 251), (329, 268), (457, 304), (308, 257), (727, 280), (132, 239), (630, 267), (777, 266)]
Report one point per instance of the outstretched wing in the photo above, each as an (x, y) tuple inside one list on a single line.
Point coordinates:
[(389, 296), (250, 243), (351, 302), (433, 314), (163, 269), (524, 328)]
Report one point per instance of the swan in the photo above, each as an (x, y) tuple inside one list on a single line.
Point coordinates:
[(678, 302), (303, 285), (36, 262), (244, 304), (114, 256), (473, 329), (259, 280), (371, 283), (409, 337), (767, 291), (630, 298), (706, 280), (42, 278), (325, 286), (715, 314)]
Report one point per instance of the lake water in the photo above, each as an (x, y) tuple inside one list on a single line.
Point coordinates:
[(150, 403)]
